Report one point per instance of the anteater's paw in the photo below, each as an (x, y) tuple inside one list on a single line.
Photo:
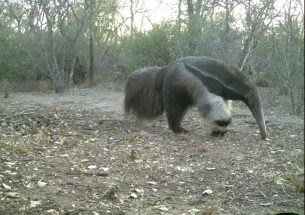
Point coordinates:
[(216, 132), (181, 131)]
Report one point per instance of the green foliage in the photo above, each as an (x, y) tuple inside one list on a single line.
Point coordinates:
[(16, 55), (6, 52), (147, 49), (168, 41)]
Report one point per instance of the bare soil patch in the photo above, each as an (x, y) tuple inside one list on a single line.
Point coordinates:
[(76, 153)]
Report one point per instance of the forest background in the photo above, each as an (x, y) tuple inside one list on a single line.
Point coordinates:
[(54, 45)]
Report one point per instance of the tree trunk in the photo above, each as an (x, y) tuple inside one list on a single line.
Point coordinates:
[(91, 60), (131, 18), (191, 27), (226, 34), (179, 15), (245, 53), (56, 73), (71, 74)]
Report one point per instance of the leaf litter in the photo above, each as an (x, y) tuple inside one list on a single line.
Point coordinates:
[(81, 158)]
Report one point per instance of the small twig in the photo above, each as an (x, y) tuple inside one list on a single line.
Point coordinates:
[(120, 140), (4, 159), (263, 194), (102, 174), (285, 191), (27, 159), (266, 204), (233, 197)]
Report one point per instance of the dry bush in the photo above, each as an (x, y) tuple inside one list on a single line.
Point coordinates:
[(6, 87), (2, 109), (109, 76), (43, 86)]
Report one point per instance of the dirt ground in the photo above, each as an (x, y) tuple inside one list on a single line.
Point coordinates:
[(76, 153)]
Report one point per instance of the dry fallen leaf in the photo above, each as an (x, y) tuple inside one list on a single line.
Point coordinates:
[(84, 160), (161, 207), (105, 169), (64, 156), (78, 168), (139, 190), (266, 204), (152, 182), (10, 163), (211, 168), (41, 184), (52, 211), (133, 196), (204, 149), (34, 203), (111, 194), (207, 192), (92, 167), (134, 155), (193, 211), (6, 187), (11, 194), (10, 172), (183, 137), (23, 150)]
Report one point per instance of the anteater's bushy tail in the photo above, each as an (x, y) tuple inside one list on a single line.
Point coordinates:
[(143, 93)]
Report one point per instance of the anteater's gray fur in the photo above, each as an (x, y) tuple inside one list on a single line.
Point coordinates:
[(203, 82), (143, 93)]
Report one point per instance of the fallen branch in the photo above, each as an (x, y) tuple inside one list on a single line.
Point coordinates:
[(101, 174)]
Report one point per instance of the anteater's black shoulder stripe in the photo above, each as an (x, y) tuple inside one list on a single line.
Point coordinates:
[(213, 85)]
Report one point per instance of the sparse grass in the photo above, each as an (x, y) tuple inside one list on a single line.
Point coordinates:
[(2, 108), (109, 76), (300, 159), (288, 177), (297, 181), (204, 149), (43, 86), (298, 185), (23, 151)]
